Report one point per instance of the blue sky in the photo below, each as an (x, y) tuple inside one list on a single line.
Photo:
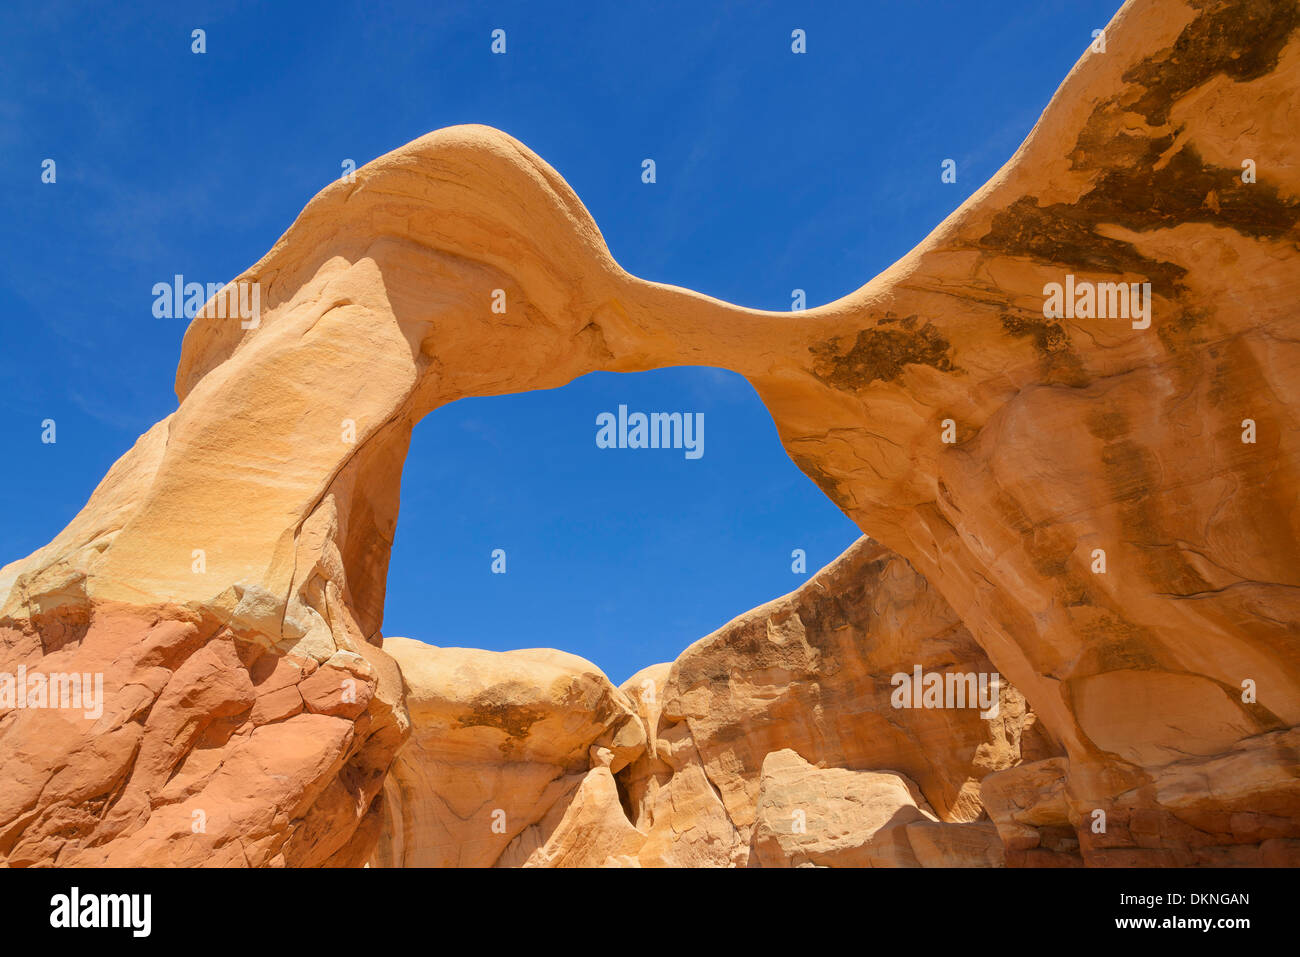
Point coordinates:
[(775, 171)]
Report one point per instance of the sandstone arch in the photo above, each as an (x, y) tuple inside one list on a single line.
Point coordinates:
[(1072, 434)]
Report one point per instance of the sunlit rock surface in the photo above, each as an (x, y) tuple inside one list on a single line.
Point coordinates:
[(237, 554)]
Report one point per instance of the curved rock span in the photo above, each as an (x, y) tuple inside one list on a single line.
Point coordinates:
[(1103, 495)]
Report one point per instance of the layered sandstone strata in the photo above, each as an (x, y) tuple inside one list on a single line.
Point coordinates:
[(248, 533)]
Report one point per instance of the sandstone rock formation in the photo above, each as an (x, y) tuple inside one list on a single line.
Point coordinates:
[(239, 549), (211, 748), (810, 817), (501, 740), (810, 674), (536, 740)]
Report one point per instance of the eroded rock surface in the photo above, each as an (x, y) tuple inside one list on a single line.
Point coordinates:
[(208, 748), (811, 673), (701, 763), (832, 817), (1114, 522), (504, 743)]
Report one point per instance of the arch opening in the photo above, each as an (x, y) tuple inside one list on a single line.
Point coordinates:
[(518, 530)]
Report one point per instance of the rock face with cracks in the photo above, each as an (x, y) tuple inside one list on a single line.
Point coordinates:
[(501, 740), (809, 817), (532, 758), (1113, 521), (811, 675)]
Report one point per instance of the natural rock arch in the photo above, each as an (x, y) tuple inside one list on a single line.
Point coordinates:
[(1071, 435)]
